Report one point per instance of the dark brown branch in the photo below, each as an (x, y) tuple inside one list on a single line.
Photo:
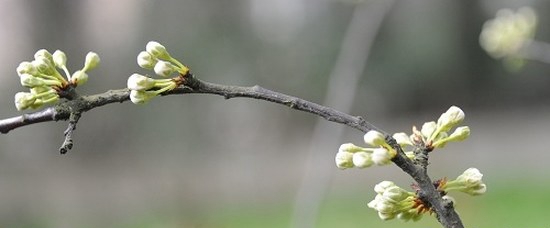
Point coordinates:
[(62, 111)]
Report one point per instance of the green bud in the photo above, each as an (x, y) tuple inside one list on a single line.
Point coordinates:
[(428, 129), (374, 138), (402, 139), (60, 59), (362, 159), (79, 77), (24, 100), (141, 97), (92, 60), (44, 66), (43, 53), (344, 160), (26, 68), (452, 117), (460, 134)]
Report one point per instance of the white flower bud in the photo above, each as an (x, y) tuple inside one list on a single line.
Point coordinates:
[(381, 156), (43, 53), (381, 187), (157, 50), (349, 147), (30, 81), (362, 159), (396, 194), (43, 65), (402, 139), (26, 68), (471, 176), (79, 77), (374, 138), (164, 68), (140, 82), (92, 60), (460, 134), (452, 117), (146, 61), (344, 160), (141, 97), (60, 59), (469, 182), (24, 100), (428, 129)]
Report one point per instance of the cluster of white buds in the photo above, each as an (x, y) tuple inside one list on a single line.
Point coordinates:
[(505, 35), (468, 182), (436, 134), (508, 33), (42, 77), (157, 58), (391, 202), (350, 155)]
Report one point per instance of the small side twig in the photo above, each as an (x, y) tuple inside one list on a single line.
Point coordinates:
[(68, 142)]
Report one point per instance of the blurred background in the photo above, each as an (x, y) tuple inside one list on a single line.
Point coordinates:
[(202, 161)]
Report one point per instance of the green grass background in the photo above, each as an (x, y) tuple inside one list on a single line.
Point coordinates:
[(520, 205)]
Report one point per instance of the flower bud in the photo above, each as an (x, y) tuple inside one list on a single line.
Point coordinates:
[(395, 193), (460, 134), (30, 81), (24, 100), (43, 65), (468, 182), (60, 59), (164, 68), (146, 61), (140, 82), (26, 68), (362, 159), (381, 187), (141, 97), (79, 77), (43, 53), (92, 60), (374, 138), (402, 139), (349, 147), (157, 50), (452, 117), (428, 129), (344, 160), (381, 156)]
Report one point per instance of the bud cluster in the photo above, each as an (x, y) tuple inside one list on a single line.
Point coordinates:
[(155, 57), (507, 33), (436, 134), (468, 182), (391, 202), (44, 80), (350, 155)]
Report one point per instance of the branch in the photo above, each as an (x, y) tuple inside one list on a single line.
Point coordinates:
[(62, 111)]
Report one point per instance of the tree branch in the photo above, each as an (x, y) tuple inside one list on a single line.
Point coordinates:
[(63, 110)]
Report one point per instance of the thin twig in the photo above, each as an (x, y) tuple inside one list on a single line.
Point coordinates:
[(63, 110), (68, 142)]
